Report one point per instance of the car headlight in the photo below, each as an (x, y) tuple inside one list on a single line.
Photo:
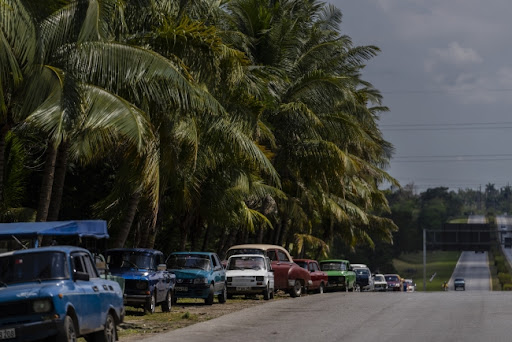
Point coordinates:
[(200, 281), (42, 305)]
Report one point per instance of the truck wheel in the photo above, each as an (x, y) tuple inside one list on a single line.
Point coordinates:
[(69, 332), (108, 334), (209, 300), (266, 293), (224, 295), (356, 288), (167, 304), (150, 305), (296, 291), (321, 288)]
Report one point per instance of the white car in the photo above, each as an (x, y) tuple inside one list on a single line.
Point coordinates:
[(250, 274), (380, 283), (411, 286)]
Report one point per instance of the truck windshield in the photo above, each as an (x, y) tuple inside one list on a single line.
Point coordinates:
[(130, 259), (245, 263), (189, 261), (333, 266), (27, 267)]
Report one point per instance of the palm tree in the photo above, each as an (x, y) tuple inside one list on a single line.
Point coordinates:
[(327, 156)]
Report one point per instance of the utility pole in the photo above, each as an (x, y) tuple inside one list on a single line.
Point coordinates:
[(424, 260)]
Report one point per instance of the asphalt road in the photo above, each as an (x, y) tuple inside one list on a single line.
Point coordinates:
[(474, 268), (473, 315)]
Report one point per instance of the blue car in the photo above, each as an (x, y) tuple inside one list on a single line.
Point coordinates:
[(147, 281), (56, 293), (198, 275)]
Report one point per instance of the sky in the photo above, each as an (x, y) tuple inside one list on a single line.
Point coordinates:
[(445, 72)]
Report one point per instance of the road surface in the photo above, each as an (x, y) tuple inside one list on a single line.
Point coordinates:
[(474, 268), (474, 315)]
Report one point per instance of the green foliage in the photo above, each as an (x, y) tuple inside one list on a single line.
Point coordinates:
[(507, 287), (504, 278), (440, 263)]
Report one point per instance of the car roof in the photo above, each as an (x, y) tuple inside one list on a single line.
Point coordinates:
[(188, 253), (262, 246), (58, 248), (304, 260), (248, 255), (335, 260), (138, 250)]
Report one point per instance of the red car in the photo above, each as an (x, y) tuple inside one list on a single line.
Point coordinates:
[(394, 282), (318, 277), (288, 276)]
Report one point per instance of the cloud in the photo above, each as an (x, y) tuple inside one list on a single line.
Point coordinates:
[(457, 55)]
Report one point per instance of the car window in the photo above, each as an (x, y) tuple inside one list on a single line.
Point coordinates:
[(89, 266), (244, 251), (189, 261), (333, 266), (215, 263), (246, 262), (302, 264), (130, 259), (282, 256), (271, 253), (33, 267), (313, 267)]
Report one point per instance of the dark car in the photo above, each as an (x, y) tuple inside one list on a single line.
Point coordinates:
[(319, 278), (56, 294), (198, 275), (364, 278), (147, 281), (459, 283)]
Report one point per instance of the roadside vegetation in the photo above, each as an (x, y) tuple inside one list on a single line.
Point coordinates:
[(439, 265), (501, 270)]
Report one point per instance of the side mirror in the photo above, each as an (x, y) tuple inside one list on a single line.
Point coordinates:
[(80, 276)]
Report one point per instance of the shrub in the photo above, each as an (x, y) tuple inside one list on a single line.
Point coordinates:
[(505, 278), (507, 287)]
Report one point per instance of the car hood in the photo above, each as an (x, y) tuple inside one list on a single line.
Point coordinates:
[(28, 290), (190, 274), (132, 274), (246, 273)]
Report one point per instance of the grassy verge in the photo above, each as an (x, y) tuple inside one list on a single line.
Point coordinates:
[(440, 263)]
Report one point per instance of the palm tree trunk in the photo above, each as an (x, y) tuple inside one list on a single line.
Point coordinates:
[(206, 237), (47, 184), (126, 224), (58, 182)]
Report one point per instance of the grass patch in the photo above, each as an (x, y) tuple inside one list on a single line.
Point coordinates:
[(441, 263), (459, 220)]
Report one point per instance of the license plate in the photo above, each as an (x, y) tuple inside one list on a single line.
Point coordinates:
[(240, 288), (181, 288), (7, 333)]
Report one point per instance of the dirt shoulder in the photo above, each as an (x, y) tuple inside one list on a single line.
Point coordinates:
[(186, 312)]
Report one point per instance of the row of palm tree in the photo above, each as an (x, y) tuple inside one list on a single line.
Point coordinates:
[(197, 124)]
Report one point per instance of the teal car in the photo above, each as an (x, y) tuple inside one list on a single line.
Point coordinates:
[(339, 275), (198, 275)]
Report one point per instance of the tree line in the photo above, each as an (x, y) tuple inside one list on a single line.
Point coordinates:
[(192, 124)]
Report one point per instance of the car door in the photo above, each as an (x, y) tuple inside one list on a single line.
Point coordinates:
[(161, 277), (87, 304), (314, 271), (219, 274)]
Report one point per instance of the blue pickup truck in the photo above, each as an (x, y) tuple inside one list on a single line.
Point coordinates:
[(147, 281), (56, 293)]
